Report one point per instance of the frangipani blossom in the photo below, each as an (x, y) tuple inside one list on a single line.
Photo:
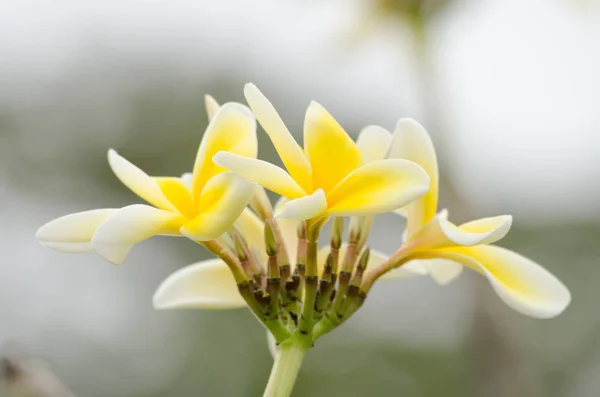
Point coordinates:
[(209, 284), (329, 177), (268, 259), (444, 248), (201, 205)]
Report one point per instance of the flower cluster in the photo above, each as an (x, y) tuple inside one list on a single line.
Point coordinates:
[(267, 258)]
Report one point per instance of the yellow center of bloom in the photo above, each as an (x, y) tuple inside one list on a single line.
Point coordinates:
[(178, 194)]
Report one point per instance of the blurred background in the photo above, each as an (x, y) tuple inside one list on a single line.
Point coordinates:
[(509, 91)]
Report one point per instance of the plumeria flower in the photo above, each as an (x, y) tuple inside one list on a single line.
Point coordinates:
[(443, 248), (201, 205), (273, 265), (209, 284), (329, 177)]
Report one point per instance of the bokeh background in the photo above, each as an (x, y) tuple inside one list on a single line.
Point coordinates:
[(509, 90)]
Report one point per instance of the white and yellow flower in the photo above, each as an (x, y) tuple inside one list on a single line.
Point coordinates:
[(200, 205), (444, 248), (209, 284), (329, 177)]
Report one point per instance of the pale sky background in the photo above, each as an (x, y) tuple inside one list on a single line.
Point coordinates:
[(519, 78)]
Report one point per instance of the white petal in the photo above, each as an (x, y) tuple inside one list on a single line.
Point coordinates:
[(373, 142), (443, 271), (212, 106), (138, 181), (401, 212), (128, 226), (442, 233), (411, 142), (289, 151), (186, 178), (261, 172), (73, 233), (304, 208), (521, 283), (410, 269), (204, 285)]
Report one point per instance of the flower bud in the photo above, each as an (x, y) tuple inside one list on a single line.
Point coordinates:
[(337, 232), (270, 241)]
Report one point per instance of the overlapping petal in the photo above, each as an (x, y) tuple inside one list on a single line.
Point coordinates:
[(440, 232), (73, 233), (411, 142), (378, 187), (138, 181), (232, 129), (264, 173), (442, 271), (373, 142), (222, 201), (186, 178), (290, 152), (204, 285), (129, 225), (178, 193), (331, 152), (521, 283), (305, 207), (410, 269)]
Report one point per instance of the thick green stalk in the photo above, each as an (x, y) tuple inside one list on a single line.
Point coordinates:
[(287, 364)]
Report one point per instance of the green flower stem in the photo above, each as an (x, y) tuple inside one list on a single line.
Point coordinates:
[(324, 326), (244, 283), (287, 364), (332, 320), (310, 288)]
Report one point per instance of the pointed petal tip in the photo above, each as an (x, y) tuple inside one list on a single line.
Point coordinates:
[(314, 106), (236, 107), (408, 121), (72, 233), (250, 87), (112, 154)]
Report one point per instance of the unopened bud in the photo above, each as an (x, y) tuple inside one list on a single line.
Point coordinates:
[(337, 232), (364, 259), (270, 241), (240, 247), (355, 229), (365, 231), (302, 230), (327, 268)]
